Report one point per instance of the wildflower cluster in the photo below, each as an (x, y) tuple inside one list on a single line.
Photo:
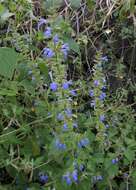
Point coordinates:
[(98, 96), (61, 129), (64, 93), (56, 46)]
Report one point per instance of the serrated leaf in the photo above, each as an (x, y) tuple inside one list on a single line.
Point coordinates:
[(8, 61)]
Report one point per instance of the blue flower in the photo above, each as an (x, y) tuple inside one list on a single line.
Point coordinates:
[(73, 92), (102, 96), (68, 112), (65, 85), (53, 86), (65, 49), (67, 178), (96, 83), (102, 118), (104, 88), (59, 145), (104, 58), (115, 161), (48, 53), (91, 93), (75, 175), (65, 127), (98, 178), (83, 143), (56, 39), (75, 125), (81, 167), (41, 22), (60, 117), (47, 32), (107, 126), (43, 178)]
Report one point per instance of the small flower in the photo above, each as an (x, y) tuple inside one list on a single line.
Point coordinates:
[(60, 117), (53, 86), (81, 167), (68, 112), (104, 88), (65, 127), (65, 85), (115, 161), (102, 118), (107, 126), (47, 32), (102, 96), (33, 78), (73, 92), (49, 114), (56, 39), (96, 83), (59, 145), (75, 175), (43, 178), (67, 178), (98, 178), (104, 58), (41, 22), (48, 53), (65, 49), (83, 143), (75, 125), (91, 93), (125, 175)]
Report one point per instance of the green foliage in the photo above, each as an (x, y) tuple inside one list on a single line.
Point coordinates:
[(8, 62), (65, 123)]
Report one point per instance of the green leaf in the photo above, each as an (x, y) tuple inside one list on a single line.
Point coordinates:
[(130, 155), (90, 4), (52, 4), (5, 92), (73, 45), (28, 86), (113, 170), (6, 15), (75, 3), (1, 9), (44, 70), (8, 60)]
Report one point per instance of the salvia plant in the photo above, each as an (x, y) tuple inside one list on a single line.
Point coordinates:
[(59, 131)]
